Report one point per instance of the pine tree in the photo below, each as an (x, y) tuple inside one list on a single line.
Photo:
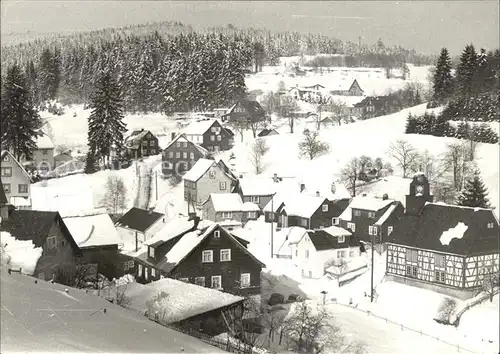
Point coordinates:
[(467, 72), (90, 163), (474, 194), (441, 126), (20, 119), (411, 124), (443, 81), (106, 126)]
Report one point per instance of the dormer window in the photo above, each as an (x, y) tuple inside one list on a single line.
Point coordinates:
[(371, 214), (151, 252), (341, 239), (490, 225)]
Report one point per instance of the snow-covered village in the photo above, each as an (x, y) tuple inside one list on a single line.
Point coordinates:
[(169, 187)]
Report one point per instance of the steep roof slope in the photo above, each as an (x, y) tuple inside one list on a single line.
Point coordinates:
[(139, 219)]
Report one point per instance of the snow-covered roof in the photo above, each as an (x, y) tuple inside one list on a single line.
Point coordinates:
[(44, 142), (331, 191), (173, 228), (226, 201), (294, 234), (230, 223), (303, 205), (182, 138), (187, 243), (91, 228), (20, 201), (394, 186), (184, 300), (386, 215), (257, 186), (249, 206), (369, 203), (337, 231), (198, 128), (198, 170), (342, 85)]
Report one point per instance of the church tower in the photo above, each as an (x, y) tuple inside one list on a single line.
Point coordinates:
[(419, 194)]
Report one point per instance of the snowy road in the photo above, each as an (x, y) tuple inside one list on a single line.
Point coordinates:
[(42, 317)]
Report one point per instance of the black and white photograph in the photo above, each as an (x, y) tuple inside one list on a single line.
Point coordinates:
[(250, 177)]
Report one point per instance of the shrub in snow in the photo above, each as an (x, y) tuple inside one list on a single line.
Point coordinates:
[(19, 254), (158, 305), (446, 311)]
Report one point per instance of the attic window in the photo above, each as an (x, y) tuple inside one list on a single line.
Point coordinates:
[(217, 234), (490, 225), (357, 213), (151, 252), (211, 174), (371, 214), (335, 221), (52, 242), (324, 207), (6, 158), (341, 239), (389, 230)]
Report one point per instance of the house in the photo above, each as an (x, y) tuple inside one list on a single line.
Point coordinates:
[(204, 254), (15, 181), (229, 208), (137, 225), (187, 306), (370, 217), (315, 251), (219, 112), (301, 93), (259, 189), (245, 111), (209, 134), (99, 241), (141, 143), (43, 154), (62, 158), (396, 186), (315, 87), (205, 177), (299, 209), (374, 106), (47, 230), (347, 88), (181, 154), (283, 238), (294, 71), (267, 132), (449, 249)]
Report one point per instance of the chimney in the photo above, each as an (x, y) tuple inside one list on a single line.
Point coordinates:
[(195, 219), (385, 196), (317, 194), (275, 178), (150, 211), (172, 136), (302, 187)]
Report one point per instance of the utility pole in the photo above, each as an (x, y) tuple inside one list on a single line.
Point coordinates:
[(156, 184), (373, 253), (272, 223)]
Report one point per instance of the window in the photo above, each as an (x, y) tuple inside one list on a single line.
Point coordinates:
[(372, 230), (335, 221), (151, 252), (6, 171), (178, 144), (45, 151), (139, 270), (439, 260), (371, 214), (152, 143), (351, 226), (324, 207), (185, 144), (200, 281), (213, 129), (341, 239), (219, 138), (153, 151), (207, 256), (6, 158), (440, 276), (245, 280), (226, 215), (191, 155), (171, 154), (307, 254), (177, 155), (225, 255), (357, 213), (184, 155), (222, 186), (23, 188), (255, 199), (351, 254), (185, 280), (389, 230), (490, 225), (6, 187), (212, 137), (153, 272), (217, 234), (125, 266), (411, 255), (412, 271), (216, 282), (51, 242), (252, 215), (340, 254), (131, 264), (211, 174)]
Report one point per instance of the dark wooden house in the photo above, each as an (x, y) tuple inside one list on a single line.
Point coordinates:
[(245, 111), (141, 143), (206, 255), (445, 248), (374, 106), (267, 132), (181, 154), (209, 134)]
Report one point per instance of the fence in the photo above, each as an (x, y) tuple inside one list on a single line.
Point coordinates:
[(403, 327)]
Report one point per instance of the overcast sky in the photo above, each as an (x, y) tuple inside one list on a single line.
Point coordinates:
[(425, 26)]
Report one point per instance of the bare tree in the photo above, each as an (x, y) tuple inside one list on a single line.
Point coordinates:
[(444, 190), (404, 153), (259, 150), (287, 106), (122, 299), (337, 108), (350, 173), (240, 127), (61, 149), (114, 200), (273, 319), (311, 146), (365, 162), (490, 281), (455, 161)]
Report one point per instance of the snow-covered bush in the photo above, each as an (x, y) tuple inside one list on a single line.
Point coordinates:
[(446, 311), (19, 254)]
